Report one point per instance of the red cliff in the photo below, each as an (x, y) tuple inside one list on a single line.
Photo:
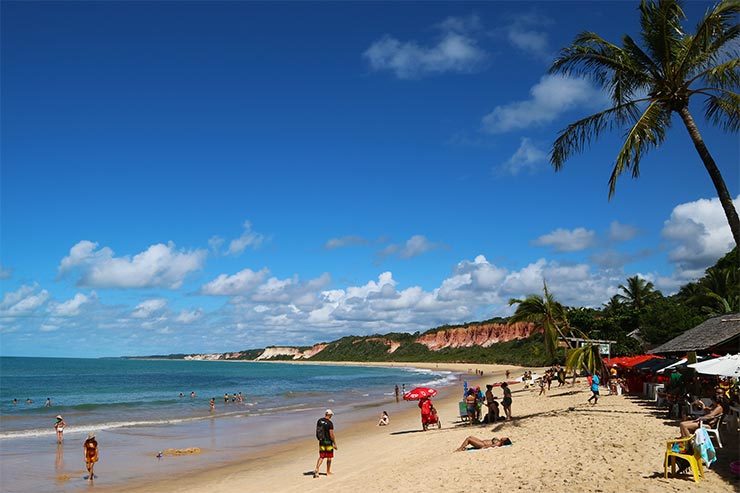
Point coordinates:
[(483, 335)]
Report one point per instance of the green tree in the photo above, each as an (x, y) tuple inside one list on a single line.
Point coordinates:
[(545, 312), (638, 292), (648, 82)]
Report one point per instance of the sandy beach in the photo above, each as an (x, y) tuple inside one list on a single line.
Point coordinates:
[(560, 444)]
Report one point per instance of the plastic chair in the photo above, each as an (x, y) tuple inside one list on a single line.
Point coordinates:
[(694, 459), (463, 407), (714, 430)]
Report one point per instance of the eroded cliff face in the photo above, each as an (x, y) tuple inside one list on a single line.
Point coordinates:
[(295, 353), (477, 335), (392, 345)]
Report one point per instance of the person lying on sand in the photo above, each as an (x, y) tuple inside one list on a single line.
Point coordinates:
[(479, 443)]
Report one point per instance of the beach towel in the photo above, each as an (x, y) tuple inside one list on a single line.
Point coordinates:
[(705, 446), (489, 448)]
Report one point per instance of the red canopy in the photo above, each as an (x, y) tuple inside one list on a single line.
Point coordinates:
[(630, 361)]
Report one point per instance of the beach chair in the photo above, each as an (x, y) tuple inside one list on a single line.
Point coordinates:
[(463, 410), (714, 430), (694, 458)]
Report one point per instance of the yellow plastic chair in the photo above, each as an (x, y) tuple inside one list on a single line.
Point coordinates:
[(694, 458)]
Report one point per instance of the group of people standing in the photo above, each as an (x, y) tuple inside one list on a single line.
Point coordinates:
[(475, 399)]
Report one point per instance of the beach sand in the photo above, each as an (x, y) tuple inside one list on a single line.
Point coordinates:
[(560, 444)]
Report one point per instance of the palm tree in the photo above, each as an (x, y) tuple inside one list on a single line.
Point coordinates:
[(544, 311), (718, 292), (613, 305), (648, 83), (637, 293), (552, 316)]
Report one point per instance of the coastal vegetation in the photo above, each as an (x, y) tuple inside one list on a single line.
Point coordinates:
[(637, 317), (649, 81)]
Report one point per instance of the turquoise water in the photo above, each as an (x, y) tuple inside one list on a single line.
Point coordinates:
[(135, 409), (109, 393)]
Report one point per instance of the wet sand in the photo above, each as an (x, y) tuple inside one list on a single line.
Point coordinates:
[(561, 444)]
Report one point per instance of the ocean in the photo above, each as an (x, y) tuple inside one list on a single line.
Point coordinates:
[(136, 409)]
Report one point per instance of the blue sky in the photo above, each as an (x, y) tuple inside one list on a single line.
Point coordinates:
[(195, 177)]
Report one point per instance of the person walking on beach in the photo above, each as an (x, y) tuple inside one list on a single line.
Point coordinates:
[(327, 442), (595, 388), (507, 400), (59, 428), (212, 404), (396, 392), (90, 448), (507, 374)]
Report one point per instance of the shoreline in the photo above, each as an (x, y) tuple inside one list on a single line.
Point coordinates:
[(258, 467)]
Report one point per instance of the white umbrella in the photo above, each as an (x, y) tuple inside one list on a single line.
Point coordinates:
[(726, 366)]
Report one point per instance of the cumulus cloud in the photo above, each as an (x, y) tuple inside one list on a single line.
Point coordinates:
[(550, 97), (621, 232), (455, 51), (159, 265), (23, 301), (249, 238), (150, 307), (528, 157), (413, 247), (189, 316), (239, 283), (699, 235), (72, 306), (567, 240), (525, 33), (345, 241)]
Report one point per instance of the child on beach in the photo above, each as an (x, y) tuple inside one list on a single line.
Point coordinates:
[(595, 380), (59, 428), (90, 448)]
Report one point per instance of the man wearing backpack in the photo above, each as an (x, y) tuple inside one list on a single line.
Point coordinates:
[(327, 443)]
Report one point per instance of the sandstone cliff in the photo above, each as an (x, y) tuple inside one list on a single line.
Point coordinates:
[(478, 334)]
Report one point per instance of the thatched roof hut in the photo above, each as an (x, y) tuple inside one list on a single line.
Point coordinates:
[(718, 334)]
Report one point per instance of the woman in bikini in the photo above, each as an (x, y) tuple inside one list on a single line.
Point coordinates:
[(713, 413), (59, 428), (507, 400), (479, 443)]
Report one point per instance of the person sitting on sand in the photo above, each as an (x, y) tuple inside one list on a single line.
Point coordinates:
[(384, 419), (714, 411), (479, 443), (91, 454)]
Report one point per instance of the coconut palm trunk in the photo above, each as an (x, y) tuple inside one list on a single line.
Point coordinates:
[(719, 183)]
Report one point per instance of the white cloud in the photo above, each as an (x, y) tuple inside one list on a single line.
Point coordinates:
[(158, 266), (72, 306), (147, 308), (215, 243), (456, 51), (5, 273), (550, 97), (249, 238), (699, 234), (413, 247), (525, 33), (189, 316), (621, 232), (345, 241), (23, 301), (527, 157), (567, 240), (239, 283)]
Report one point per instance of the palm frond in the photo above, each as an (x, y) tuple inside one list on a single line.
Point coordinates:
[(648, 131), (724, 110), (723, 76), (713, 32), (605, 63), (578, 135), (661, 30)]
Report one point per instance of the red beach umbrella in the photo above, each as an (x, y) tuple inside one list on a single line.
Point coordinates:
[(419, 393)]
